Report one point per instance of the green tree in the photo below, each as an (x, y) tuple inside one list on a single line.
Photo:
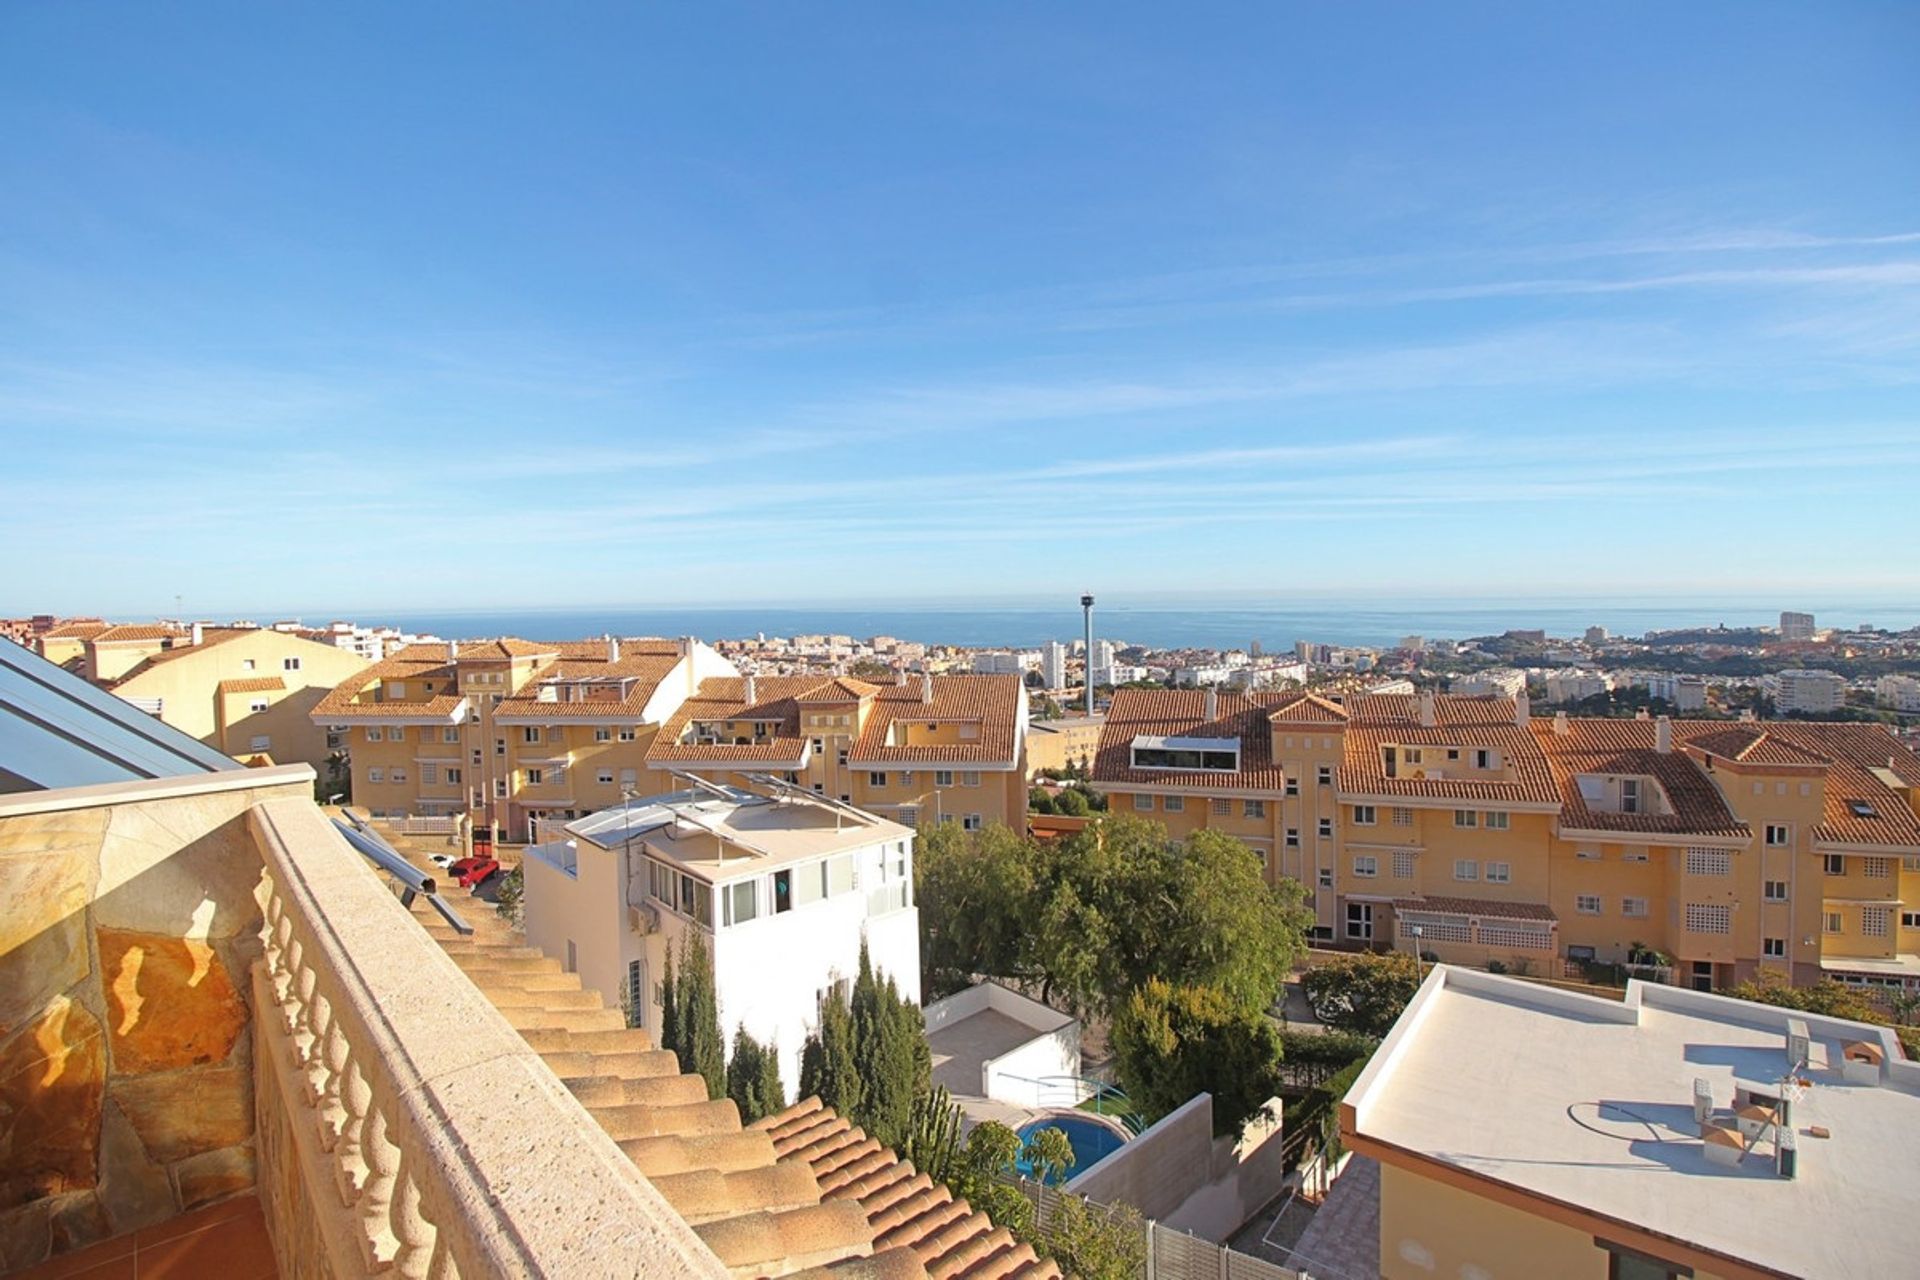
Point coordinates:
[(1095, 1243), (989, 1157), (1362, 992), (974, 890), (890, 1052), (510, 897), (827, 1067), (1073, 803), (1049, 1154), (1826, 997), (669, 1007), (702, 1048), (1039, 800), (1171, 1043), (934, 1144), (753, 1078)]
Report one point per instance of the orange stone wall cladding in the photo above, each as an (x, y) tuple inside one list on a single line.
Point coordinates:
[(126, 1081)]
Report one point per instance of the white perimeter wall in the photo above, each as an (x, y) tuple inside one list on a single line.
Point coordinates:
[(1041, 1072)]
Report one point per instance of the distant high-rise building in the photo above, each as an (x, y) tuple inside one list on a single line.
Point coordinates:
[(1053, 665), (1811, 692), (1596, 635), (1796, 626), (1413, 644)]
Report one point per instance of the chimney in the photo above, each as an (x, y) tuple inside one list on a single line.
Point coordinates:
[(1561, 729), (926, 687), (1663, 735), (199, 633), (900, 677), (751, 691), (613, 649), (1522, 708), (1213, 704), (453, 651), (1427, 716)]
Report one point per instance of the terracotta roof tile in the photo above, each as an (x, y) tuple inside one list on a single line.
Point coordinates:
[(1491, 908), (120, 632), (904, 1209), (1309, 708), (993, 703), (776, 702), (1183, 713), (253, 684), (1598, 745)]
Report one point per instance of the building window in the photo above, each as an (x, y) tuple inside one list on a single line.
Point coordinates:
[(1466, 869), (1833, 922), (1709, 917), (1587, 854), (430, 774), (1223, 808), (1324, 775), (260, 742), (1254, 809), (1633, 855), (943, 777), (1775, 890), (1631, 1264), (1633, 908), (1366, 866), (1836, 864), (1587, 904), (972, 822), (1293, 786), (1496, 821), (1402, 817), (375, 733), (246, 664), (1873, 921), (1499, 872), (257, 705), (1773, 948), (453, 773), (875, 778), (604, 734), (628, 733), (1326, 828), (604, 777), (1877, 868), (1709, 862), (1143, 804), (1363, 815), (535, 777), (289, 664), (970, 778), (1910, 919), (499, 746), (1465, 818), (1483, 759), (1778, 836), (1293, 837), (1402, 864), (499, 788), (376, 775), (530, 734), (1326, 877), (1176, 804)]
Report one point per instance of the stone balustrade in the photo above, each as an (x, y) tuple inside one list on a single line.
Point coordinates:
[(403, 1125)]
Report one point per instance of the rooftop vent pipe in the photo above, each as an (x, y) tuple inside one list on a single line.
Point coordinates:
[(1663, 735), (926, 687), (1427, 716), (1213, 704)]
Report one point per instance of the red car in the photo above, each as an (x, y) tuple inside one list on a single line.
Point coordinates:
[(469, 873)]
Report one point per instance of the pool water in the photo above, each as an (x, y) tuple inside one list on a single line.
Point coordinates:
[(1092, 1141)]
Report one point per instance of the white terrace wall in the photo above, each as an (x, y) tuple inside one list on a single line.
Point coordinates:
[(1041, 1072)]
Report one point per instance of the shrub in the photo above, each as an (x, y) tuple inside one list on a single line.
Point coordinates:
[(1363, 992)]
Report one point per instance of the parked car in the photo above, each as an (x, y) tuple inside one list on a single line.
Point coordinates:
[(442, 860), (471, 872)]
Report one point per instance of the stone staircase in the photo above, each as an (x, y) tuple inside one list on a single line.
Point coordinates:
[(799, 1191)]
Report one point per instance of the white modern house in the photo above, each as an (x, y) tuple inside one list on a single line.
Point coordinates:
[(782, 883)]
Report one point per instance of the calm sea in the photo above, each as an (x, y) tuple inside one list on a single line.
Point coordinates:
[(1160, 627)]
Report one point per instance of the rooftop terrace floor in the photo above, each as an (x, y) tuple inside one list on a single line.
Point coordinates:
[(228, 1240)]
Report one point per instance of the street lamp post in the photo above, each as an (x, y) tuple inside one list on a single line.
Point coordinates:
[(1418, 973)]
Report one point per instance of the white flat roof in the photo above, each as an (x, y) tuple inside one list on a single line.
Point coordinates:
[(723, 832), (1589, 1102)]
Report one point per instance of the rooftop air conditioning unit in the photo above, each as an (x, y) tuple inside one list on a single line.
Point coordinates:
[(643, 919)]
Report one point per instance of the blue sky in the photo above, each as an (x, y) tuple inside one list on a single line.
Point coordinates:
[(458, 305)]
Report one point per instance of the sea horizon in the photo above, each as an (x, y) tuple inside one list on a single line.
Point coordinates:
[(1210, 625)]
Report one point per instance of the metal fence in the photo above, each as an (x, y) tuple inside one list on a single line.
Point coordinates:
[(1169, 1254)]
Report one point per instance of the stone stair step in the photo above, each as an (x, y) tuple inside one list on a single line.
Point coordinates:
[(508, 993), (565, 1019)]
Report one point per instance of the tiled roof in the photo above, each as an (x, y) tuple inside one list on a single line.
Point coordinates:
[(1177, 713), (992, 702), (254, 684), (1450, 709), (1309, 708), (76, 629), (1859, 753), (1598, 745), (840, 689), (1489, 908), (1748, 744), (415, 662), (504, 648), (129, 631), (776, 700), (906, 1210), (645, 669), (1462, 723)]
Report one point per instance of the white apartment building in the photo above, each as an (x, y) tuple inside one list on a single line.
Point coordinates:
[(1900, 693), (1001, 662), (1686, 693), (1573, 685), (1053, 665), (1814, 692), (1494, 682), (782, 884)]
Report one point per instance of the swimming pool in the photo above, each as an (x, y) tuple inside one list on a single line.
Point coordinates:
[(1092, 1141)]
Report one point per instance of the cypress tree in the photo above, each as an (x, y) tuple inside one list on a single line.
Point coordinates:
[(703, 1050), (828, 1069), (670, 1011), (773, 1091), (753, 1078)]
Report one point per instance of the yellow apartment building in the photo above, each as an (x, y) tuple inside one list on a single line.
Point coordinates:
[(512, 731), (1062, 743), (65, 645), (922, 750), (1470, 831), (1507, 1130)]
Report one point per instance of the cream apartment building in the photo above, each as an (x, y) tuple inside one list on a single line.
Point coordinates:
[(1469, 830)]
